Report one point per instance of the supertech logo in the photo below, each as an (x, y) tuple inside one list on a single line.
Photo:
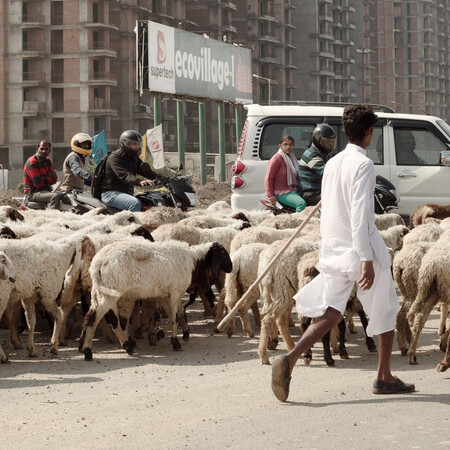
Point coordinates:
[(161, 55)]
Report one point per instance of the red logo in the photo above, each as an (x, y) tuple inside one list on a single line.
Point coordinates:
[(161, 47)]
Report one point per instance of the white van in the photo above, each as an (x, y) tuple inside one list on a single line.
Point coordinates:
[(419, 180)]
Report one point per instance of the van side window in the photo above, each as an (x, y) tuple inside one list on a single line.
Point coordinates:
[(376, 149), (417, 147), (274, 132)]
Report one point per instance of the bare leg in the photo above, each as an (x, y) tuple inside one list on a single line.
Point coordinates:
[(283, 365), (384, 357), (318, 328), (386, 383)]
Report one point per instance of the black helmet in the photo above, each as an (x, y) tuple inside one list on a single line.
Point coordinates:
[(130, 136), (324, 138)]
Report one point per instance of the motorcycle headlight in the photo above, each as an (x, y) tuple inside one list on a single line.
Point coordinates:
[(192, 196)]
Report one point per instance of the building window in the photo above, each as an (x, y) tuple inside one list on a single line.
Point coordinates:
[(57, 13), (25, 73), (95, 12), (25, 40)]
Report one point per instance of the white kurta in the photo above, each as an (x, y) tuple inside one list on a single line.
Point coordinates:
[(349, 236)]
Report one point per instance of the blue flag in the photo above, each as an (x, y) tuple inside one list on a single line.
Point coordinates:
[(99, 147)]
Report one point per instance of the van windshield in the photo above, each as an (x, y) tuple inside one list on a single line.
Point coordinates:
[(445, 126)]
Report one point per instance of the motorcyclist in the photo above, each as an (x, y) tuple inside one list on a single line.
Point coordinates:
[(313, 160), (75, 175), (121, 173)]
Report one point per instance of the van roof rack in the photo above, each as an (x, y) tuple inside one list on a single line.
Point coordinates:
[(376, 107)]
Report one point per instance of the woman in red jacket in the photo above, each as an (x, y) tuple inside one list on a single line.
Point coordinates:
[(281, 179)]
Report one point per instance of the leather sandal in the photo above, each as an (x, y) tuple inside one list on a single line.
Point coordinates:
[(399, 387), (281, 377)]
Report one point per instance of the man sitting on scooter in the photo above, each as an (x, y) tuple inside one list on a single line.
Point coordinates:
[(121, 174), (74, 167), (38, 177)]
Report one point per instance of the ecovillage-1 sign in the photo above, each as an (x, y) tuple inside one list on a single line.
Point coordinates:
[(184, 63)]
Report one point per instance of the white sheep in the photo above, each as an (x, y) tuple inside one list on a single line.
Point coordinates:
[(393, 236), (77, 286), (283, 221), (385, 221), (405, 270), (7, 278), (162, 270), (306, 270), (266, 235), (8, 213), (159, 215), (194, 236), (207, 221), (277, 289), (40, 270), (433, 284), (255, 217), (429, 232), (245, 271)]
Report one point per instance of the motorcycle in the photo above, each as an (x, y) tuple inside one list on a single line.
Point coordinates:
[(385, 196), (175, 192)]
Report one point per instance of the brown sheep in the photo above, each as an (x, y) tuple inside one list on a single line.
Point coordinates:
[(429, 210)]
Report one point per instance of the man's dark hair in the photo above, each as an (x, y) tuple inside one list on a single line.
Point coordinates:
[(357, 119), (43, 140)]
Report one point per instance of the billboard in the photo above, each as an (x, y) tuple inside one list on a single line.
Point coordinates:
[(177, 62)]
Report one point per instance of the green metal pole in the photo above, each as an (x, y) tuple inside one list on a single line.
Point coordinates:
[(238, 117), (221, 120), (180, 132), (156, 109), (202, 141)]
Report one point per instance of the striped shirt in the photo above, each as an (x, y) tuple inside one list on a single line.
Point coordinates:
[(38, 174), (311, 168)]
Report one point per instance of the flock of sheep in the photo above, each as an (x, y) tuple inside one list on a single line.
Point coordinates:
[(130, 268)]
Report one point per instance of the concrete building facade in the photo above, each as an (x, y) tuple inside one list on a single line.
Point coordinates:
[(70, 66)]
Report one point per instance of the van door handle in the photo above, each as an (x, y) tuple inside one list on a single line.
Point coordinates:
[(406, 174)]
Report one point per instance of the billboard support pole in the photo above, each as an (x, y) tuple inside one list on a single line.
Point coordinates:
[(156, 109), (221, 123), (238, 118), (202, 141), (180, 132)]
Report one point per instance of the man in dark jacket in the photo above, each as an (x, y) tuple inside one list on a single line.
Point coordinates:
[(38, 177), (312, 163), (121, 175)]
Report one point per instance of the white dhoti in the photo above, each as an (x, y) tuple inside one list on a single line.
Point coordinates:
[(333, 288)]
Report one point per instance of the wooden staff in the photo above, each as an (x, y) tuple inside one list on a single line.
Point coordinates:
[(227, 319)]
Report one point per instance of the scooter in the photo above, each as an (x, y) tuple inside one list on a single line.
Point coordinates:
[(385, 195), (77, 202)]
